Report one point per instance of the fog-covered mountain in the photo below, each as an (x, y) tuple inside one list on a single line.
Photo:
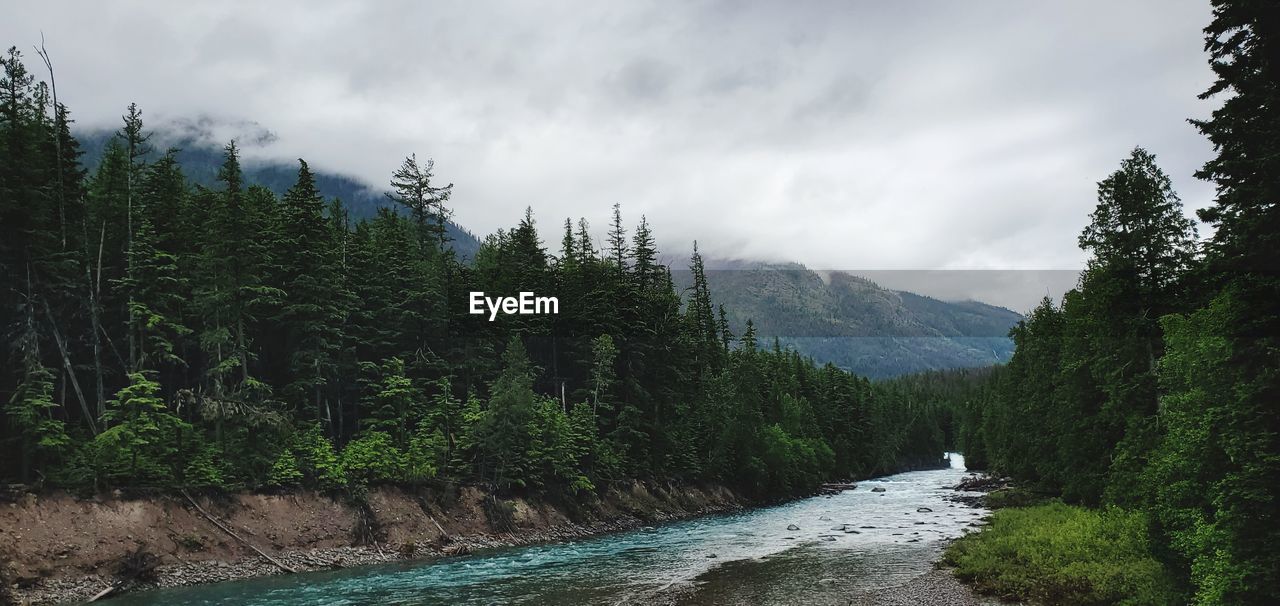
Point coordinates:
[(200, 158), (833, 316), (855, 324)]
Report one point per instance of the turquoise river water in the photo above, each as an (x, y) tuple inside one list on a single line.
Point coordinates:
[(857, 541)]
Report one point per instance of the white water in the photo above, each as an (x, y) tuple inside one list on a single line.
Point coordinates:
[(893, 542)]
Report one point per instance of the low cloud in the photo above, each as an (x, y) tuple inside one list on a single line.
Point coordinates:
[(842, 135)]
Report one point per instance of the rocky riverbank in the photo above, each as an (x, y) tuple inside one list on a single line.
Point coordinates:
[(56, 548), (940, 587)]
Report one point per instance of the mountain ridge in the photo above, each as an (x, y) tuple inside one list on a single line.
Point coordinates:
[(200, 159), (854, 323), (830, 316)]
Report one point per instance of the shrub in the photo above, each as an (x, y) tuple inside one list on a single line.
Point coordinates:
[(317, 460), (1059, 554), (372, 458), (206, 469), (284, 472)]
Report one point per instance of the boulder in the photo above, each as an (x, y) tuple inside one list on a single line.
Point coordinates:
[(793, 527), (924, 510), (878, 489)]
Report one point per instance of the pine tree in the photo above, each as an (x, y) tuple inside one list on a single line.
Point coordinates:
[(139, 447), (43, 438), (700, 318), (136, 149), (644, 256), (618, 240), (158, 292), (307, 274), (1223, 387), (1141, 245), (394, 406), (501, 435), (412, 188), (230, 292)]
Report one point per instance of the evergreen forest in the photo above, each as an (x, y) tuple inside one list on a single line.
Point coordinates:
[(165, 334), (162, 332)]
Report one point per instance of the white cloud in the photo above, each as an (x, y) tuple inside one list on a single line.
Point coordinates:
[(842, 135)]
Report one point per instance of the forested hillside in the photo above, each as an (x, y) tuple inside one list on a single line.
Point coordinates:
[(855, 324), (1155, 384), (201, 159), (165, 331), (848, 321)]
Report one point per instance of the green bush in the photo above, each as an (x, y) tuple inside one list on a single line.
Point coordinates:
[(426, 456), (284, 472), (207, 469), (1060, 554), (372, 458), (140, 445), (318, 461)]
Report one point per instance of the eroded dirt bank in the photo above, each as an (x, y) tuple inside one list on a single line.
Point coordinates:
[(58, 548)]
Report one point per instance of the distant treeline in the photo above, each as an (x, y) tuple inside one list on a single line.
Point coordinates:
[(1155, 384), (161, 333)]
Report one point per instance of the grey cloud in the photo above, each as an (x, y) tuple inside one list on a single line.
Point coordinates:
[(921, 135), (642, 81)]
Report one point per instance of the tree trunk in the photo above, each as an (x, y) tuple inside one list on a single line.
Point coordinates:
[(70, 370), (96, 323)]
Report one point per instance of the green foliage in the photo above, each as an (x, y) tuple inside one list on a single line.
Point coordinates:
[(140, 444), (1224, 382), (556, 449), (792, 464), (317, 460), (256, 339), (207, 469), (285, 472), (1213, 474), (1061, 554), (500, 435), (1011, 497), (304, 269), (371, 458), (1175, 418), (392, 400), (428, 453), (45, 439)]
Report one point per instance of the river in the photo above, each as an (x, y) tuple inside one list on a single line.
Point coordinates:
[(745, 557)]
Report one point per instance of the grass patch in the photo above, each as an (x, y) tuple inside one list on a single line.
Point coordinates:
[(1059, 554)]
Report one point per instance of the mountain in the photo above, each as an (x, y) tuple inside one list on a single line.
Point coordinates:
[(201, 157), (855, 324), (832, 317)]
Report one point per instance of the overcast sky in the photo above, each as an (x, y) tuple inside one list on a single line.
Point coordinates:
[(843, 135)]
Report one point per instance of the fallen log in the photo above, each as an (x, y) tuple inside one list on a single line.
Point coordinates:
[(105, 592), (235, 536)]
